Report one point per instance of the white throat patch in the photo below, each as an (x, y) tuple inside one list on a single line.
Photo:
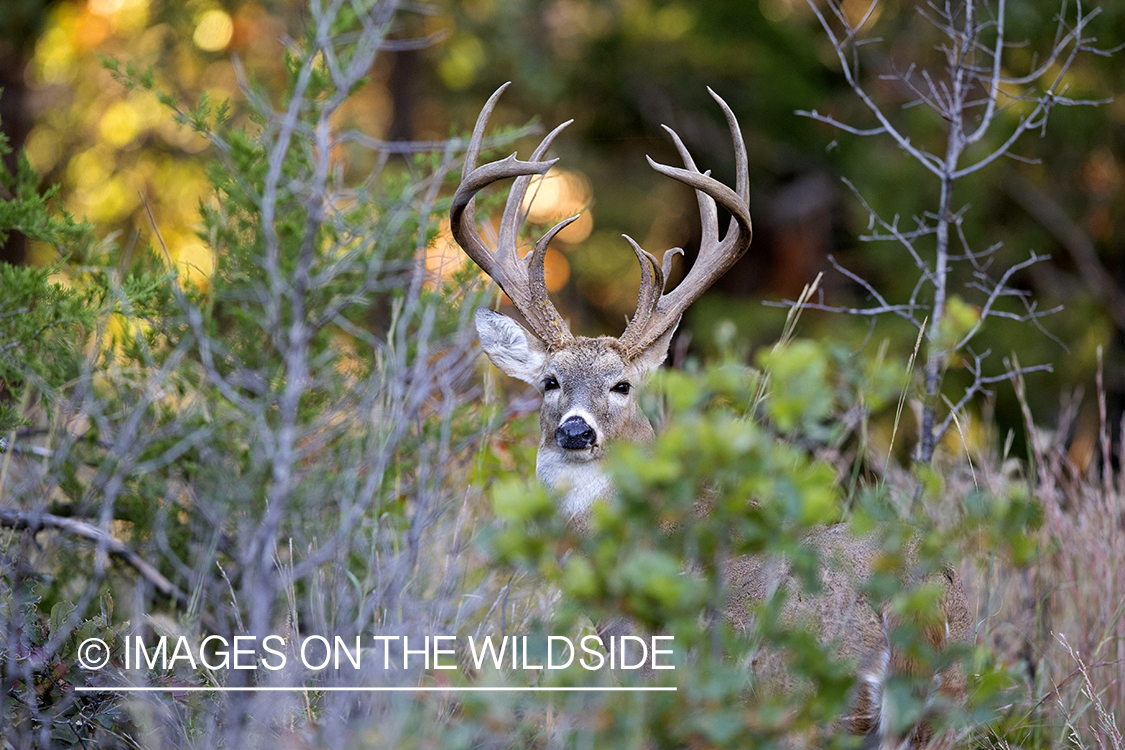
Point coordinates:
[(579, 484)]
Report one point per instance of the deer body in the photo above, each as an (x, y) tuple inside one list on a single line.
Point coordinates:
[(589, 385)]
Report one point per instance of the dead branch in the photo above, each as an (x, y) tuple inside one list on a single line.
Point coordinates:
[(36, 522), (966, 93)]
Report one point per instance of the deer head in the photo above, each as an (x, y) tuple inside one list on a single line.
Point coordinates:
[(588, 384)]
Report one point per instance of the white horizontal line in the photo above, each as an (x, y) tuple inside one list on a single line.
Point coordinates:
[(336, 689)]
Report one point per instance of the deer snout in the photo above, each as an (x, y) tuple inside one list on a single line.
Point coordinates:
[(575, 434)]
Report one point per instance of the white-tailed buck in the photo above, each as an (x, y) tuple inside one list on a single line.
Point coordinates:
[(588, 387)]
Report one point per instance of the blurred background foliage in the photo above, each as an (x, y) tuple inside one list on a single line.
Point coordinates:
[(620, 68)]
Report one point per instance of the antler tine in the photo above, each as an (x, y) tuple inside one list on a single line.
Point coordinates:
[(522, 279), (470, 164), (513, 210), (709, 217), (538, 257), (657, 313), (741, 167), (652, 285)]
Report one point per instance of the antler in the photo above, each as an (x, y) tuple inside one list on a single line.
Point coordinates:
[(656, 311), (520, 278)]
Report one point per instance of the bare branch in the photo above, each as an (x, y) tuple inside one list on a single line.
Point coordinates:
[(929, 161), (35, 522), (864, 312), (1000, 289), (892, 229), (1075, 36), (979, 386), (994, 81), (828, 119), (972, 81)]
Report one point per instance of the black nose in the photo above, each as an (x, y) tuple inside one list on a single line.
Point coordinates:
[(575, 434)]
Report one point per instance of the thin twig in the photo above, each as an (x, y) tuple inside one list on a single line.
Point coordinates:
[(35, 522)]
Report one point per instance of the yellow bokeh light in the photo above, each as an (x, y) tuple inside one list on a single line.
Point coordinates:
[(214, 31), (124, 16), (89, 168), (42, 148), (120, 123), (104, 7), (109, 7), (545, 198), (673, 21), (195, 261), (579, 230), (110, 201), (558, 195), (443, 256), (55, 55), (463, 59), (556, 270), (90, 30)]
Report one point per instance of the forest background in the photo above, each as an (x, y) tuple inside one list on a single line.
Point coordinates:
[(621, 70), (130, 154)]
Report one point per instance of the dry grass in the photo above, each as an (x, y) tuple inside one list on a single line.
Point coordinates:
[(1056, 623)]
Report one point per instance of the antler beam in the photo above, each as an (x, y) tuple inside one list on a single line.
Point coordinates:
[(656, 311), (522, 279)]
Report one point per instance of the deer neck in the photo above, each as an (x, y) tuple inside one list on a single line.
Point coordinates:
[(579, 484)]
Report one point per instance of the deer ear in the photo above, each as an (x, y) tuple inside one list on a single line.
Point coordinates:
[(654, 354), (510, 347)]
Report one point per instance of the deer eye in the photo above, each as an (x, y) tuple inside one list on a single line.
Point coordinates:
[(550, 384), (621, 387)]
